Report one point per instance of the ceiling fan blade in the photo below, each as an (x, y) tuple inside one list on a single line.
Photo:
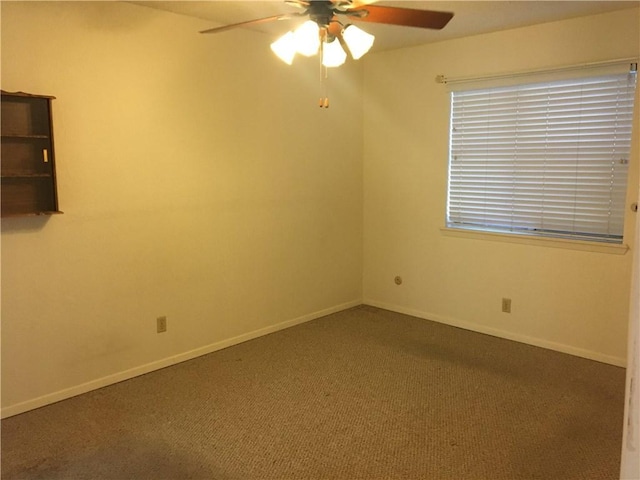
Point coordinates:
[(407, 17), (360, 3), (252, 22), (298, 3)]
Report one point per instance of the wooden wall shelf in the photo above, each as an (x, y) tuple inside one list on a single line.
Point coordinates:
[(28, 172)]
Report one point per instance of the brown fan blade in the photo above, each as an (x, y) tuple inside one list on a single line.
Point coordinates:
[(298, 3), (407, 17), (360, 3), (252, 22)]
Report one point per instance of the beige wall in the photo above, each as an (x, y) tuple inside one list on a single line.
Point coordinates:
[(199, 181), (570, 300)]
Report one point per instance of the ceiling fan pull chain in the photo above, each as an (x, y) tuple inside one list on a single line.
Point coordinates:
[(321, 101), (325, 88), (324, 71)]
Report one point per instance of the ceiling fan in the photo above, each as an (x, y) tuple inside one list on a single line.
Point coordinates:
[(325, 32)]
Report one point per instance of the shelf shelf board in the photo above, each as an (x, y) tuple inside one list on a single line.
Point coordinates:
[(24, 175), (32, 214), (8, 95), (24, 136)]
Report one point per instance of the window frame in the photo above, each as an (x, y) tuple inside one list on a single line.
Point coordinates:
[(553, 238)]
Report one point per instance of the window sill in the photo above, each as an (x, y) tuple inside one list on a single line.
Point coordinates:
[(614, 249)]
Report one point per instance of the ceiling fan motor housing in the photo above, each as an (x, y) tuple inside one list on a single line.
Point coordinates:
[(321, 12)]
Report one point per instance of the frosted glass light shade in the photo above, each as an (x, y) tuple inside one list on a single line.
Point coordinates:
[(333, 54), (358, 41), (307, 38), (285, 47)]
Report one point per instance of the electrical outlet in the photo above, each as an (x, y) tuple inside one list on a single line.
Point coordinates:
[(506, 305), (161, 324)]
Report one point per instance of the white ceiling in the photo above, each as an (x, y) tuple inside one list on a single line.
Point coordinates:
[(471, 17)]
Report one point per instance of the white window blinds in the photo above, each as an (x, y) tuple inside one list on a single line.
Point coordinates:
[(542, 158)]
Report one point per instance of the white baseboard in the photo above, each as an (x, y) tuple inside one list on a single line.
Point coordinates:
[(165, 362), (538, 342)]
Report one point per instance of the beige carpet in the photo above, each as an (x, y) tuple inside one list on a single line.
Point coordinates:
[(362, 394)]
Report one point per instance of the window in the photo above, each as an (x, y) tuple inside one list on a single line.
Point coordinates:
[(546, 159)]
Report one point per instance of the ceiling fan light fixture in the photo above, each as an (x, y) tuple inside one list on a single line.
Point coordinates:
[(307, 38), (333, 55), (358, 41), (285, 48)]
